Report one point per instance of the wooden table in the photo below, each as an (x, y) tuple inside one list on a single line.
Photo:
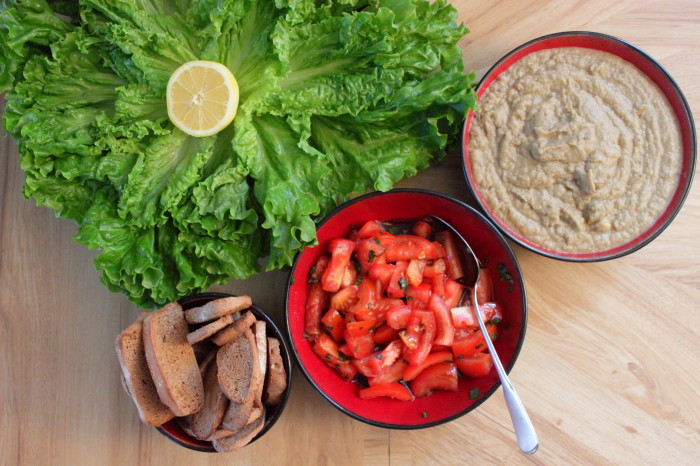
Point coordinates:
[(609, 370)]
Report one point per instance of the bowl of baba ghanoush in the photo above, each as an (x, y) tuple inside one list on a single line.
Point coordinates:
[(581, 148)]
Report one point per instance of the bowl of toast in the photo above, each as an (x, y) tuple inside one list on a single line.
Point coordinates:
[(212, 372)]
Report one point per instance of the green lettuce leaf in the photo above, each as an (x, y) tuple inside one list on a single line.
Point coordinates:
[(337, 97)]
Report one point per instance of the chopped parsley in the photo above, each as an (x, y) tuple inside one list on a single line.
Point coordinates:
[(379, 356), (403, 283), (424, 415), (371, 256), (291, 280), (376, 240), (474, 393)]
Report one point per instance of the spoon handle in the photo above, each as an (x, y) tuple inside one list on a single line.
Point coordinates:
[(524, 430)]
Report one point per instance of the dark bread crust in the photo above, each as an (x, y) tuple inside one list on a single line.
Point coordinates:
[(241, 438), (171, 360)]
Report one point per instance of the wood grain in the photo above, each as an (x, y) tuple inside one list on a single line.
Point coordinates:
[(609, 371)]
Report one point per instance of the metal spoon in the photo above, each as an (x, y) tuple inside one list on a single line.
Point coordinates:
[(524, 430)]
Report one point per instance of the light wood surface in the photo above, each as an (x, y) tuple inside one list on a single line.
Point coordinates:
[(609, 371)]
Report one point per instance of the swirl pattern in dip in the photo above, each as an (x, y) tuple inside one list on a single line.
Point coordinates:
[(575, 149)]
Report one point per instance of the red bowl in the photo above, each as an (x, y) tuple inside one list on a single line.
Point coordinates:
[(172, 429), (657, 74), (490, 247)]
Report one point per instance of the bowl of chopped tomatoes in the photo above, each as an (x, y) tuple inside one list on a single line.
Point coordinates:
[(379, 316)]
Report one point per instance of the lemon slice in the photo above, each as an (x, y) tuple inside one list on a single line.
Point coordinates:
[(202, 97)]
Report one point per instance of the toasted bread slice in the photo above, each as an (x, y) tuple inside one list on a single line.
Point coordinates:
[(210, 329), (171, 360), (276, 382), (239, 373), (232, 332), (217, 308), (136, 377), (205, 421), (241, 438), (237, 415)]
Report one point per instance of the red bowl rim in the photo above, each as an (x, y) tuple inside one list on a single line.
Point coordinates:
[(683, 114), (516, 352), (204, 446)]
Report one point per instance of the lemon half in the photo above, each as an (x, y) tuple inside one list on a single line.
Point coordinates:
[(202, 97)]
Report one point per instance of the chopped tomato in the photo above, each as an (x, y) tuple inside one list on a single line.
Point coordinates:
[(316, 305), (439, 286), (472, 343), (361, 346), (453, 292), (385, 334), (414, 272), (392, 374), (421, 329), (363, 366), (334, 324), (398, 283), (341, 250), (407, 247), (369, 229), (384, 304), (455, 270), (484, 287), (476, 365), (418, 296), (438, 267), (463, 316), (370, 251), (317, 270), (344, 349), (441, 376), (433, 358), (381, 273), (422, 229), (345, 368), (326, 348), (392, 390), (345, 298), (351, 274), (445, 332), (359, 328), (397, 317), (363, 309), (382, 360)]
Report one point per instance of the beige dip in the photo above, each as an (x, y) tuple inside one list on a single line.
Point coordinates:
[(575, 149)]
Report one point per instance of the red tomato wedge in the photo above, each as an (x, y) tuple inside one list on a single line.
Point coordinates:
[(345, 298), (341, 251), (397, 317), (472, 343), (421, 329), (359, 328), (433, 358), (392, 374), (318, 269), (407, 247), (438, 267), (392, 390), (445, 331), (382, 360), (316, 305), (364, 307), (381, 273), (369, 229), (441, 376), (455, 271), (385, 335), (484, 290), (422, 229), (453, 292), (414, 272), (334, 323), (477, 365)]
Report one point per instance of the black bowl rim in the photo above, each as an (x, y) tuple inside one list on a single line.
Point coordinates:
[(693, 154), (521, 336), (211, 295)]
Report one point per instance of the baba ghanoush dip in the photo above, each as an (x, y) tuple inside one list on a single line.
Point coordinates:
[(575, 149)]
